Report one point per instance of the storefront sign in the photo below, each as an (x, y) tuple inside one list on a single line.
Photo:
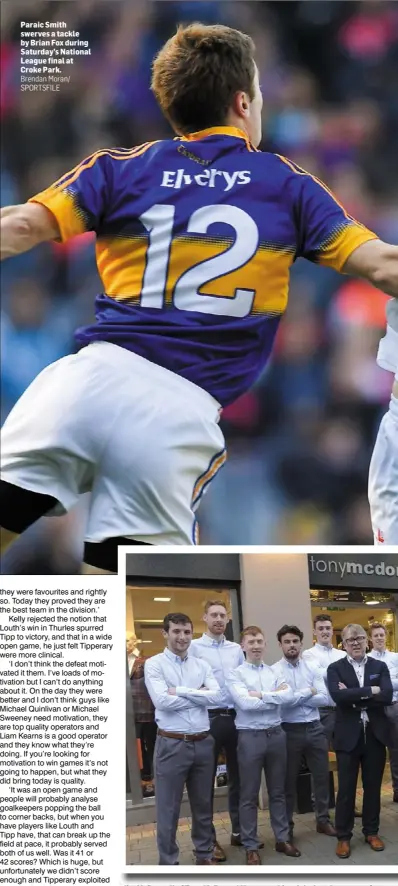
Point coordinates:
[(190, 567), (376, 572)]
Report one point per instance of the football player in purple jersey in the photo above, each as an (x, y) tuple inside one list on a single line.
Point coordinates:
[(195, 237)]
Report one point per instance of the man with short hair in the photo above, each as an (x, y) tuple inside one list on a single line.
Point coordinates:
[(301, 722), (258, 695), (182, 687), (195, 238), (223, 656), (381, 653), (322, 654), (360, 686)]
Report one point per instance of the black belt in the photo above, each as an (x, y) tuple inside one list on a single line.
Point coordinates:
[(221, 712), (300, 725)]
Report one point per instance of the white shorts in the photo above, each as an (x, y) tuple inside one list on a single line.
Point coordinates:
[(383, 479), (144, 441)]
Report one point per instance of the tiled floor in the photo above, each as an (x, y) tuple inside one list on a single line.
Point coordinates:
[(316, 849)]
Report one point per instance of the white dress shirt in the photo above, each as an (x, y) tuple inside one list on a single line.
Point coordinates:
[(302, 677), (322, 657), (391, 660), (257, 713), (359, 668), (186, 711), (222, 656)]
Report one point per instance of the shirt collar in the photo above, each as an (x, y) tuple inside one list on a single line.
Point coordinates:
[(290, 664), (379, 653), (321, 646), (233, 131), (210, 641), (254, 666), (175, 658), (353, 662)]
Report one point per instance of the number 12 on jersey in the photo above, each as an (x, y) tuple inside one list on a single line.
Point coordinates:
[(158, 221)]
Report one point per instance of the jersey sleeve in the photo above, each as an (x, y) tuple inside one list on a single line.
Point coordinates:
[(80, 198), (327, 234)]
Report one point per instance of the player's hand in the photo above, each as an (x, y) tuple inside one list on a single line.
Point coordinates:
[(342, 686), (254, 694), (375, 690), (281, 687), (313, 690), (171, 690)]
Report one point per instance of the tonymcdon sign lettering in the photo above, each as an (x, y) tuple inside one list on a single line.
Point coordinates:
[(375, 571)]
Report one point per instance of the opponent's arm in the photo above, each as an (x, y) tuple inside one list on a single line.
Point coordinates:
[(24, 226), (377, 262)]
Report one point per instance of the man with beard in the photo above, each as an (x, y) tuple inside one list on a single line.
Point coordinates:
[(301, 722), (223, 656)]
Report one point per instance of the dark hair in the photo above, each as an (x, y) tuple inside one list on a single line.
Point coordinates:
[(289, 629), (176, 618), (214, 603), (375, 626), (322, 618), (251, 630), (197, 73)]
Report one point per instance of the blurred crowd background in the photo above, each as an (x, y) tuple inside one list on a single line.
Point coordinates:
[(300, 441)]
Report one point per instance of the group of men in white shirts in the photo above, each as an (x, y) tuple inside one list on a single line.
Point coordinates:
[(212, 694)]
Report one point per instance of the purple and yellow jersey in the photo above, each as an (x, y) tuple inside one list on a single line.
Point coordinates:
[(195, 238)]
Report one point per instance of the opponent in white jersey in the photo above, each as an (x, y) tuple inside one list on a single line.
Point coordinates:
[(383, 471)]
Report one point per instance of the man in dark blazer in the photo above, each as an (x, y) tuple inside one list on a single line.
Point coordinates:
[(360, 686)]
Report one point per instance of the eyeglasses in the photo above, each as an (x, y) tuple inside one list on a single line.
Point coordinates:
[(351, 640)]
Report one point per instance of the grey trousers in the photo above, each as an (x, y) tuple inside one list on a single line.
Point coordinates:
[(260, 749), (328, 720), (308, 739), (178, 763), (392, 714)]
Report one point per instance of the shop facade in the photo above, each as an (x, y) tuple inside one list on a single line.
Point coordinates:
[(360, 588), (264, 589)]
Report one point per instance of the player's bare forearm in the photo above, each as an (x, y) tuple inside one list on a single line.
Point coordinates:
[(24, 226), (377, 262)]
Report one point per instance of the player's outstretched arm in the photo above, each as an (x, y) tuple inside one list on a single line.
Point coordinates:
[(24, 226), (378, 263)]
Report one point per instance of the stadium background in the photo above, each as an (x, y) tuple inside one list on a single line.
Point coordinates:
[(300, 441)]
